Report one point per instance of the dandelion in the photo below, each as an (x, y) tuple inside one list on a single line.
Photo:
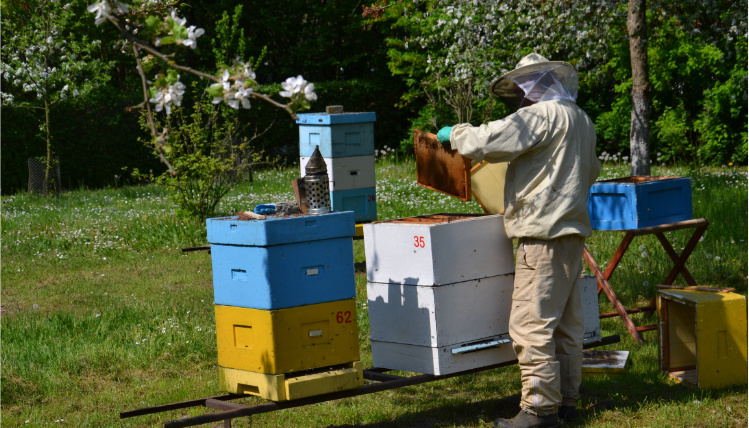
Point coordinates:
[(644, 254), (709, 256), (645, 283), (717, 258)]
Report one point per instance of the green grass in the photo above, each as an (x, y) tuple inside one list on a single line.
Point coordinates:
[(102, 313)]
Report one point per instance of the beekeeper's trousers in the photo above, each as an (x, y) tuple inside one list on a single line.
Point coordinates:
[(546, 322)]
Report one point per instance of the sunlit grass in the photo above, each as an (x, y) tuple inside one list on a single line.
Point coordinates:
[(102, 312)]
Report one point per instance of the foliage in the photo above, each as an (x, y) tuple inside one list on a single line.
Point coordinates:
[(208, 157), (697, 61), (44, 64), (449, 53)]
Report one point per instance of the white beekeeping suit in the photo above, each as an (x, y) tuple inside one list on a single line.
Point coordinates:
[(550, 146)]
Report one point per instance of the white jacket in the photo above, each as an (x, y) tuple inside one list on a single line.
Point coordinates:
[(551, 150)]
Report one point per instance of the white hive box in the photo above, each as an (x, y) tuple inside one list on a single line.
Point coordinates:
[(442, 360), (588, 285), (353, 172), (442, 330), (437, 249), (440, 316)]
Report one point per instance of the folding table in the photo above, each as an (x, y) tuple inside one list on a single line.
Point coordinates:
[(679, 260)]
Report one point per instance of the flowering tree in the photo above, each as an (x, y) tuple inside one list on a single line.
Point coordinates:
[(454, 50), (156, 33), (43, 65)]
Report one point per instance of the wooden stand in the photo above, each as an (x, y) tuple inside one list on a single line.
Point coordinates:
[(700, 225)]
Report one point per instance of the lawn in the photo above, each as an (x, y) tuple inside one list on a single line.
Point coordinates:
[(102, 312)]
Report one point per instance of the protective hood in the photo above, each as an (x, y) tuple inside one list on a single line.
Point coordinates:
[(540, 80)]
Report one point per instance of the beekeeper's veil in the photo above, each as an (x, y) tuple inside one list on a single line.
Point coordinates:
[(540, 79)]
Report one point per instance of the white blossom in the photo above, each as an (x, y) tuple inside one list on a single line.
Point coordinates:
[(103, 10), (167, 96), (192, 34)]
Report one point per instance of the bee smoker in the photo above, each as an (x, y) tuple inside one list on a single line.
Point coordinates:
[(316, 184)]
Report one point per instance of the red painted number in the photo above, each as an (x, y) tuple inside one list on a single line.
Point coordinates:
[(371, 198), (419, 242), (343, 317)]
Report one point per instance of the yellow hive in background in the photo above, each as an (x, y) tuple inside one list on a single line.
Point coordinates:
[(287, 340), (702, 337), (291, 387)]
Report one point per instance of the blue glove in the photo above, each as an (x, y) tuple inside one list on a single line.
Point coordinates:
[(444, 134), (265, 209)]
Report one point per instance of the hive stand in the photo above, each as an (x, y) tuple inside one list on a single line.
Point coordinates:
[(679, 260)]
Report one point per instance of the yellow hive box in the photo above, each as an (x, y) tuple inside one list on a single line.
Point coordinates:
[(291, 387), (702, 337), (287, 340)]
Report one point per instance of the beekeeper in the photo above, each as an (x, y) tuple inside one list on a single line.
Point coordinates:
[(550, 144)]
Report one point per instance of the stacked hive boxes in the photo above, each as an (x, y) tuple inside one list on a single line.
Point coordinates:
[(439, 291), (346, 142), (285, 310)]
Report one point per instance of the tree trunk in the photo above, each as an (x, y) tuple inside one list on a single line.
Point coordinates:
[(639, 134)]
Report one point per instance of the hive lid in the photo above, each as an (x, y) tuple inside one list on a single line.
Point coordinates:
[(280, 229), (441, 169), (335, 118), (639, 179), (488, 186)]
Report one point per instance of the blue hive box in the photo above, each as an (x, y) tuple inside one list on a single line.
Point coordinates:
[(282, 262), (637, 202), (363, 202), (337, 135)]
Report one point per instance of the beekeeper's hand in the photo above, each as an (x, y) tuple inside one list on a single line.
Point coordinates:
[(444, 135)]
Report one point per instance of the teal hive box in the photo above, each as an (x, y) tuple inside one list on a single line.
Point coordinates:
[(337, 135), (637, 202), (363, 202), (282, 261)]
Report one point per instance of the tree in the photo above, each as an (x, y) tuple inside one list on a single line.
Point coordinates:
[(639, 136), (157, 35), (450, 52), (43, 64)]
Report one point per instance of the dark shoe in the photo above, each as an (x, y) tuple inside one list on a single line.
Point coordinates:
[(526, 420), (567, 414)]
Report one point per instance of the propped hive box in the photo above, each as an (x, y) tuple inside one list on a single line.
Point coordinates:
[(638, 202), (588, 285), (292, 386), (287, 340), (282, 261), (488, 186), (437, 249), (336, 134), (702, 337)]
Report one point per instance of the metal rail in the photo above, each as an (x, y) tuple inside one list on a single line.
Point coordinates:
[(380, 381)]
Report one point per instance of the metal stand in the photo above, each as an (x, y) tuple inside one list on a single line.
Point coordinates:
[(700, 225), (378, 379)]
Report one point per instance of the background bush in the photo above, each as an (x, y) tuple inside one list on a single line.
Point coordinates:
[(698, 69)]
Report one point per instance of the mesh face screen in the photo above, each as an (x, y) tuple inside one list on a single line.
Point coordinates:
[(440, 169)]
